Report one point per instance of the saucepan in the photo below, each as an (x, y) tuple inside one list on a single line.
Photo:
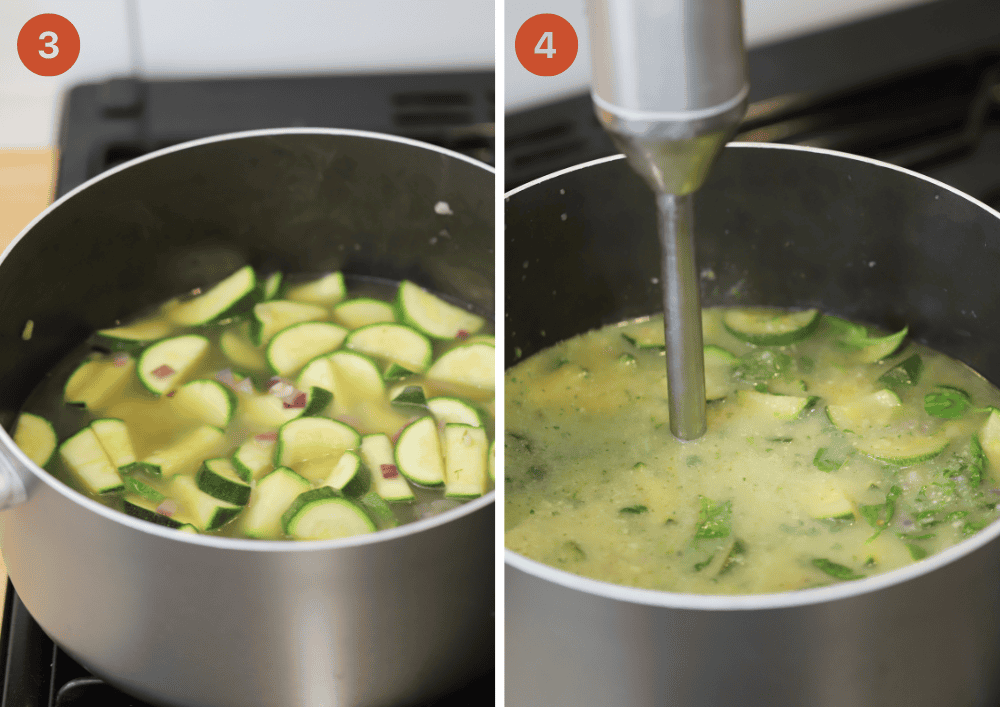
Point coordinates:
[(783, 226), (396, 617)]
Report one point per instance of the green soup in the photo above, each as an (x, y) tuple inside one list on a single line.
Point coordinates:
[(832, 453)]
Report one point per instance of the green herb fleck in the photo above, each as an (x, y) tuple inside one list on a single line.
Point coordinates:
[(634, 510), (517, 352), (627, 359), (916, 552), (693, 460), (835, 570), (572, 552), (713, 519), (699, 566)]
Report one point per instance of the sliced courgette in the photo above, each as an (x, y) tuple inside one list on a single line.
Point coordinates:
[(719, 365), (87, 459), (114, 437), (322, 514), (357, 380), (311, 438), (221, 479), (378, 456), (36, 437), (205, 512), (396, 343), (266, 412), (207, 401), (472, 365), (272, 286), (136, 335), (865, 414), (184, 455), (167, 363), (362, 311), (411, 400), (771, 328), (229, 297), (433, 316), (236, 345), (271, 317), (327, 290), (272, 497), (349, 476), (418, 453), (783, 407), (989, 438), (465, 451), (292, 348), (151, 511), (446, 410), (253, 459), (95, 381), (902, 449)]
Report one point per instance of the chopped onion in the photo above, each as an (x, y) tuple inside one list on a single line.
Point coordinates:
[(167, 508), (120, 360), (163, 371), (462, 335), (299, 401), (280, 388), (267, 437), (244, 386), (172, 393), (226, 377), (389, 471)]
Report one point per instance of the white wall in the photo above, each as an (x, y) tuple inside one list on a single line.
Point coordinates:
[(765, 22), (235, 37)]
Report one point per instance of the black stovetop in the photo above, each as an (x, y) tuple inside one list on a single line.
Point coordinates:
[(108, 123)]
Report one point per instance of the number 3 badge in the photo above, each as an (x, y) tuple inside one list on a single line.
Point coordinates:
[(48, 45), (546, 45)]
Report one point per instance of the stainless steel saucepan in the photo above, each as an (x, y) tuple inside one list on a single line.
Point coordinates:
[(783, 226), (397, 617)]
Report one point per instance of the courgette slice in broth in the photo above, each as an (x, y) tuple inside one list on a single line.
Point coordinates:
[(433, 316), (229, 297), (769, 328), (36, 437)]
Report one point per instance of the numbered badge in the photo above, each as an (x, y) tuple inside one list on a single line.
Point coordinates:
[(48, 45), (546, 45)]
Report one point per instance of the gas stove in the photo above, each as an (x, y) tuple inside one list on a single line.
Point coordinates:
[(109, 123)]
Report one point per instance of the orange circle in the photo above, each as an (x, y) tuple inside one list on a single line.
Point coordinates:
[(546, 45), (48, 45)]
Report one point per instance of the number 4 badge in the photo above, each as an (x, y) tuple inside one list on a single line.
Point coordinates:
[(546, 45)]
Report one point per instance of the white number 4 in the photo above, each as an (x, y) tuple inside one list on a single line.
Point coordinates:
[(544, 45)]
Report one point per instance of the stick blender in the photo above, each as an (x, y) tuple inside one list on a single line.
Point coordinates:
[(670, 86)]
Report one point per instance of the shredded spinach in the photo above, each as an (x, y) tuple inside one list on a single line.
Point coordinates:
[(634, 510), (835, 570), (946, 402), (828, 461), (713, 519), (904, 374)]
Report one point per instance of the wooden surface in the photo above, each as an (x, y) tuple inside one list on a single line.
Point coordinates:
[(26, 186)]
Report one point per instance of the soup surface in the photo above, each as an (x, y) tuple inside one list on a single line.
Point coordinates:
[(833, 453), (265, 409)]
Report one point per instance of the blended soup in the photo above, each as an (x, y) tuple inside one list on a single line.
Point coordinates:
[(833, 452), (268, 409)]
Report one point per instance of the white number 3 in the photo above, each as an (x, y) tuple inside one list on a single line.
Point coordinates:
[(51, 44), (544, 45)]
